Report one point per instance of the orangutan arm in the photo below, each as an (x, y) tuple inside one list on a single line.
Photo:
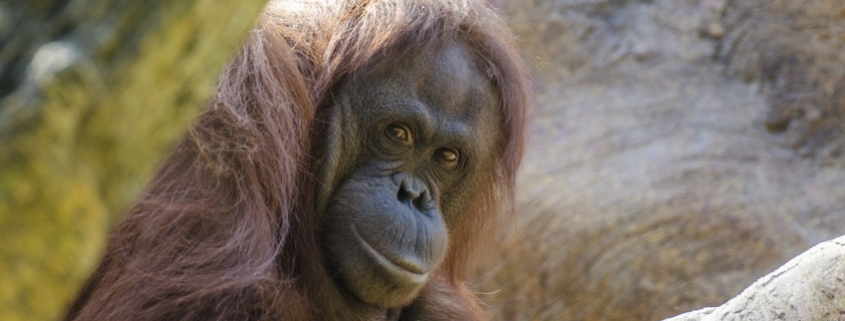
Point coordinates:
[(441, 300)]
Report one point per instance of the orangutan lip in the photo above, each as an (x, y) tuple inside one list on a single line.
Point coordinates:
[(386, 260)]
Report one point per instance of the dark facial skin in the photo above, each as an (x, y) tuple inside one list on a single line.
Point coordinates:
[(410, 144)]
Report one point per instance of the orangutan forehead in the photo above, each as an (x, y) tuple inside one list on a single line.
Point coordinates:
[(454, 77), (447, 79)]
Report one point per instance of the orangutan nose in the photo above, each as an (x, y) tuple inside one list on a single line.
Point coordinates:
[(412, 191)]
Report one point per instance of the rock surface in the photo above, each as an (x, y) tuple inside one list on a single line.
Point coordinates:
[(808, 287), (654, 182)]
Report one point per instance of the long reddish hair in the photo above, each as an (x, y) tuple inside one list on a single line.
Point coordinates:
[(226, 229)]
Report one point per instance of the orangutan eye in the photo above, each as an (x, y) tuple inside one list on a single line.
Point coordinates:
[(399, 133), (447, 157)]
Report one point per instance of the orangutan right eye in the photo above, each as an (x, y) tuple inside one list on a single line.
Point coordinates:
[(400, 134)]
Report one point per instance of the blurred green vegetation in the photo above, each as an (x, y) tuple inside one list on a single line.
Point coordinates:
[(92, 95)]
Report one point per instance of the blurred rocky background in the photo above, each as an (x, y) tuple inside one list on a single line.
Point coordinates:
[(679, 149)]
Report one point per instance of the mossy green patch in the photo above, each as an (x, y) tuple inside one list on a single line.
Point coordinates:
[(76, 152)]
